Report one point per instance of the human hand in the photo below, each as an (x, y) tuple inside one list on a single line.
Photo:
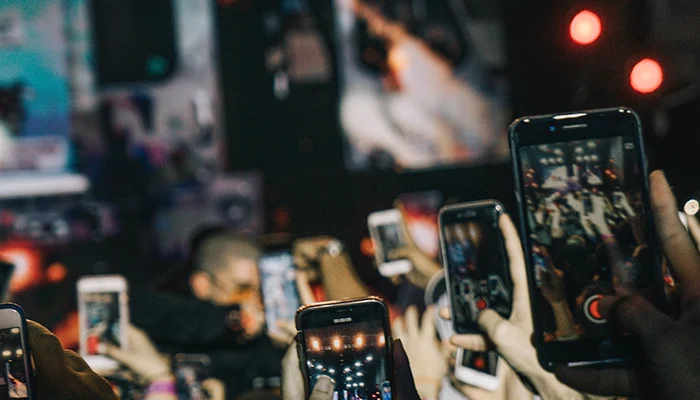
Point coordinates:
[(306, 253), (669, 362), (423, 349), (293, 380), (215, 388), (142, 357), (424, 266), (510, 386), (511, 337), (62, 374)]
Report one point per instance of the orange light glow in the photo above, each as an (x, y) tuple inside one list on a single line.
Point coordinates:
[(56, 272), (367, 247), (382, 340), (585, 28), (359, 341), (315, 344), (646, 76), (337, 343), (27, 264)]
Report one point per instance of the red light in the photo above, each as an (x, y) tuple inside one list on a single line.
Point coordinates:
[(646, 76), (585, 27)]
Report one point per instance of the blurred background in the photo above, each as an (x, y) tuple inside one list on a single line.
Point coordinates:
[(126, 126)]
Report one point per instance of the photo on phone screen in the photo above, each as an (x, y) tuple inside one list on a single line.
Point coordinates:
[(279, 288), (13, 378), (349, 346), (591, 239), (388, 235), (476, 263), (102, 320)]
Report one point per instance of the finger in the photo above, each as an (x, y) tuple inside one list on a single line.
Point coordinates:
[(405, 386), (427, 326), (400, 253), (293, 381), (306, 294), (116, 354), (470, 342), (694, 228), (682, 254), (636, 315), (610, 382), (411, 316), (281, 338), (47, 351), (398, 328), (323, 389), (495, 327), (521, 300), (445, 313)]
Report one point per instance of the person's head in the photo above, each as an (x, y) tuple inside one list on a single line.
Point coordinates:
[(225, 269)]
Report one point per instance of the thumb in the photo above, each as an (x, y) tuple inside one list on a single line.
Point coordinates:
[(634, 314), (495, 327), (117, 354), (323, 389), (400, 253)]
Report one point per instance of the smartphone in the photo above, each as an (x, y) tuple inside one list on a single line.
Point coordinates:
[(478, 369), (190, 371), (613, 259), (104, 319), (475, 262), (17, 377), (279, 288), (350, 342), (387, 232)]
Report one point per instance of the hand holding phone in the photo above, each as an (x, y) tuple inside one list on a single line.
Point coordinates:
[(278, 283), (388, 234), (17, 378), (103, 314), (589, 265), (350, 342)]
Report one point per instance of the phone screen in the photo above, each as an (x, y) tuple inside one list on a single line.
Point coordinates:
[(584, 246), (279, 288), (390, 238), (351, 349), (476, 265), (102, 315), (484, 362), (13, 378)]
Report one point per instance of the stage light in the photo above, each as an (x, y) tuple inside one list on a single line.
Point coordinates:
[(646, 76), (6, 353), (585, 27), (358, 364), (359, 341), (315, 344), (691, 207), (382, 340), (331, 371), (347, 369), (337, 343), (319, 367), (349, 379), (369, 359)]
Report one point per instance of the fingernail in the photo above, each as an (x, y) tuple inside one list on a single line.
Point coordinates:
[(324, 384)]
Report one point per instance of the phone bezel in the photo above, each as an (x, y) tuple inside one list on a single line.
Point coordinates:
[(12, 316), (486, 210), (355, 306), (103, 284), (580, 126), (475, 377)]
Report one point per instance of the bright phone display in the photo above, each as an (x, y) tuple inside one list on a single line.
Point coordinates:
[(279, 288), (475, 262), (103, 317), (350, 342), (387, 232), (477, 368), (584, 237), (16, 373)]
